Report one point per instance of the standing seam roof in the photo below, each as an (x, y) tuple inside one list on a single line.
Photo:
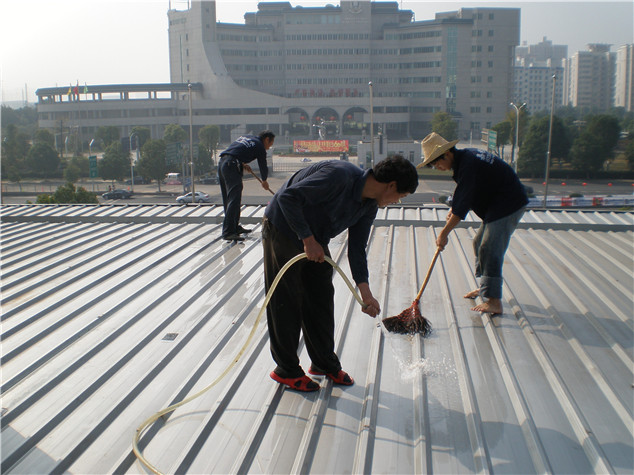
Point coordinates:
[(111, 313)]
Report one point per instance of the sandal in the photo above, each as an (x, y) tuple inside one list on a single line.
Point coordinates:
[(340, 377), (303, 383)]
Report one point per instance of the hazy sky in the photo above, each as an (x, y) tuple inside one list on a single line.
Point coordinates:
[(45, 43)]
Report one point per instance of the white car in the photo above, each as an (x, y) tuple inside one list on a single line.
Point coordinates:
[(200, 198)]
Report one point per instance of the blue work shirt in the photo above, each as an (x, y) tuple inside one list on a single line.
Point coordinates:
[(323, 200), (248, 148), (485, 184)]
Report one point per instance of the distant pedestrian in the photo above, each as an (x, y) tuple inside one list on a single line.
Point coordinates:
[(488, 186), (230, 168)]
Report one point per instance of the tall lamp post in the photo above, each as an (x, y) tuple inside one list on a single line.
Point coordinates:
[(191, 142), (371, 123), (516, 151), (550, 137), (132, 160)]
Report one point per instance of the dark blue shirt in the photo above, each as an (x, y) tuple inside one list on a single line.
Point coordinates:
[(248, 148), (323, 200), (485, 184)]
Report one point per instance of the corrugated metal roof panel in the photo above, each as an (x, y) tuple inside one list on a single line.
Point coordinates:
[(112, 313)]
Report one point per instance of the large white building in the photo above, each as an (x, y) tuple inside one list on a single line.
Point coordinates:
[(290, 68), (535, 66), (589, 78), (624, 78)]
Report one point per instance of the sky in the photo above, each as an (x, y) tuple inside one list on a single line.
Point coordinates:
[(47, 43)]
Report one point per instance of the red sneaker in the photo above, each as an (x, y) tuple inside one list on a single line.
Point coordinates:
[(303, 383), (341, 377)]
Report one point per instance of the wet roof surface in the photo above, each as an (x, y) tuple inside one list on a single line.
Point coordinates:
[(112, 313)]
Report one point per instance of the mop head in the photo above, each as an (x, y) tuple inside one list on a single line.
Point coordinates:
[(409, 321)]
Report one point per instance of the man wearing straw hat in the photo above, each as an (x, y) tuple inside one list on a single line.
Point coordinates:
[(491, 189)]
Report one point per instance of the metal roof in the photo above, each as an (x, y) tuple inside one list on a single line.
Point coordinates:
[(111, 313)]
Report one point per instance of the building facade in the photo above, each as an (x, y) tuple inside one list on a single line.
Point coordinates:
[(293, 69), (535, 66), (624, 79), (589, 78)]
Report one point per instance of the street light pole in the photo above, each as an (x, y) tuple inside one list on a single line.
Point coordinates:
[(191, 143), (371, 123), (132, 161), (516, 151), (550, 137)]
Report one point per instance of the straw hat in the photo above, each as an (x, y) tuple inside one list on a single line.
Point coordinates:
[(434, 146)]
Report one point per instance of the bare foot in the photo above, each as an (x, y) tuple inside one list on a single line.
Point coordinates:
[(473, 294), (492, 306)]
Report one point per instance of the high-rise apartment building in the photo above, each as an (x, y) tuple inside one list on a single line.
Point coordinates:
[(534, 68), (589, 79), (624, 78)]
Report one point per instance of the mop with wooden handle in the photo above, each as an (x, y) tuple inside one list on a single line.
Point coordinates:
[(410, 320)]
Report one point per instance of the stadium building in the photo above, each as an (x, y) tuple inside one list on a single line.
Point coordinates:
[(312, 73)]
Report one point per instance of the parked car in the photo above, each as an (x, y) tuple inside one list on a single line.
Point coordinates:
[(209, 180), (138, 180), (116, 195), (187, 198)]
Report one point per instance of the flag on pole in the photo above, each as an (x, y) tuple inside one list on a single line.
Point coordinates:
[(76, 90), (85, 88), (70, 91)]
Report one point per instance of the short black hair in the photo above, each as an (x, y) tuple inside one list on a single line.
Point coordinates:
[(397, 168), (266, 134)]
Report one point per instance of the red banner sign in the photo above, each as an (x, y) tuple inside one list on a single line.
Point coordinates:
[(318, 146)]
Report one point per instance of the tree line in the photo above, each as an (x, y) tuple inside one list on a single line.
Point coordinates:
[(583, 143)]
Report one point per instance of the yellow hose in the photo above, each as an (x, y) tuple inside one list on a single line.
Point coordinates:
[(141, 429)]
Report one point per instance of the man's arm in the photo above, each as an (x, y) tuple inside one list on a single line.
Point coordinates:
[(443, 237)]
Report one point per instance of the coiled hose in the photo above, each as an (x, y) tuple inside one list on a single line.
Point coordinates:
[(148, 422)]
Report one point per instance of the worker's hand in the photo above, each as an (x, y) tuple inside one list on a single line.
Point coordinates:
[(314, 251), (265, 185), (247, 167), (371, 305), (442, 241)]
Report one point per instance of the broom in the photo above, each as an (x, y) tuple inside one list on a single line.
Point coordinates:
[(410, 320), (258, 178)]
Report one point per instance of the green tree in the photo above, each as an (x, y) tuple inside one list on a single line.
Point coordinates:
[(15, 146), (108, 134), (43, 160), (152, 163), (586, 153), (532, 156), (72, 173), (115, 163), (605, 130), (504, 133), (68, 194), (174, 133), (629, 153), (44, 136), (443, 124), (143, 134), (209, 137)]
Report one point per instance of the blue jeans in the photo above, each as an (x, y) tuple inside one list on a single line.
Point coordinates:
[(489, 245), (230, 174)]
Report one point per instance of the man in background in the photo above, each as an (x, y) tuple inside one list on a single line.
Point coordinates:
[(232, 162)]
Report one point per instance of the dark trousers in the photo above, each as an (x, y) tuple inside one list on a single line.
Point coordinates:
[(230, 174), (302, 301)]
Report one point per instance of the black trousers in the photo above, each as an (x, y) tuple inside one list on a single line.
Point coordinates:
[(302, 302), (230, 175)]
